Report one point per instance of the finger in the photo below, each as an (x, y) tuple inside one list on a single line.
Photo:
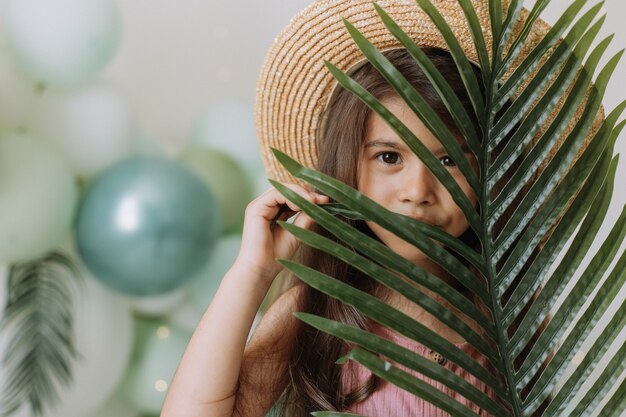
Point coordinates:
[(272, 205), (302, 192), (303, 220)]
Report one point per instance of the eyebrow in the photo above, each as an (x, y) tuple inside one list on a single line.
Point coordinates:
[(395, 145), (383, 144)]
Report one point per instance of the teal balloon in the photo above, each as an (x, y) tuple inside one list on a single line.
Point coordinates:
[(226, 179), (158, 348), (147, 225)]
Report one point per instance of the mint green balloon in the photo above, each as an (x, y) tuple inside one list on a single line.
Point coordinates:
[(226, 179), (204, 286), (229, 127), (158, 349), (38, 197), (63, 43)]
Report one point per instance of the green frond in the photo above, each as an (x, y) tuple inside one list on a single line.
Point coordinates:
[(462, 63), (392, 318), (495, 14), (532, 122), (390, 280), (550, 39), (551, 66), (411, 230), (616, 406), (38, 320), (568, 311), (479, 39), (542, 193), (410, 383), (567, 351), (603, 384), (389, 259), (566, 189), (571, 261), (541, 309), (512, 16), (404, 357)]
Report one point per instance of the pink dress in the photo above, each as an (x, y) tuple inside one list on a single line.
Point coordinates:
[(391, 401)]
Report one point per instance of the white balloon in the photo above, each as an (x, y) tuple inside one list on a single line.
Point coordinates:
[(93, 127), (17, 98), (229, 127), (38, 196), (62, 42), (103, 338)]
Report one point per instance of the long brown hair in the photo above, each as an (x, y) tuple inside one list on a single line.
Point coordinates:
[(313, 376)]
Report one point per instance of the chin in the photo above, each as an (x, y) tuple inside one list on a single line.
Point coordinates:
[(407, 250)]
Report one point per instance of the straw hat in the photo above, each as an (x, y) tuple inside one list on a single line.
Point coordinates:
[(294, 85)]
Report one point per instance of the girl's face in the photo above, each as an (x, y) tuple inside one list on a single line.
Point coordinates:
[(390, 174)]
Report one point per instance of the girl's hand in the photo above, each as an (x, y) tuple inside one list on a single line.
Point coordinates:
[(263, 242)]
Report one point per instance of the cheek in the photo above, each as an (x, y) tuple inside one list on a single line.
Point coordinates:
[(370, 186), (467, 189), (458, 223)]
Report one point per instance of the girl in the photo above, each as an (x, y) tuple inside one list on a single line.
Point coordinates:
[(287, 363)]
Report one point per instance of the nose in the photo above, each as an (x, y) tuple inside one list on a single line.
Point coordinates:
[(418, 184)]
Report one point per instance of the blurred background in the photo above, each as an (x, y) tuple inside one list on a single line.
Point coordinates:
[(93, 92)]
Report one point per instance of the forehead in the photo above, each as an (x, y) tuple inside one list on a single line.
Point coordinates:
[(379, 133)]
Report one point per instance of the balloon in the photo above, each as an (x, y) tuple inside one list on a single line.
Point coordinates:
[(147, 145), (226, 179), (204, 285), (261, 184), (114, 408), (37, 198), (104, 330), (187, 316), (159, 305), (229, 127), (147, 225), (159, 347), (17, 98), (101, 317), (93, 127), (62, 42)]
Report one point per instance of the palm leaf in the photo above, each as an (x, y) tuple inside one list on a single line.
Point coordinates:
[(566, 200), (38, 319)]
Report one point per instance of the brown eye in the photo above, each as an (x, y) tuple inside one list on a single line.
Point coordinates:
[(389, 158), (447, 161)]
